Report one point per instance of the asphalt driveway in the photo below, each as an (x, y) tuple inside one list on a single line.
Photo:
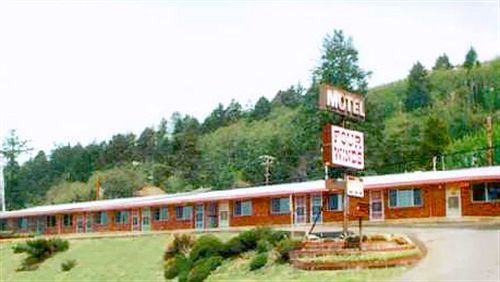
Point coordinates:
[(454, 253)]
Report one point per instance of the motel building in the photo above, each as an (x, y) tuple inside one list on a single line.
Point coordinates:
[(433, 194)]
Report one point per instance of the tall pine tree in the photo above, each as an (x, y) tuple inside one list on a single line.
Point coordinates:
[(419, 88)]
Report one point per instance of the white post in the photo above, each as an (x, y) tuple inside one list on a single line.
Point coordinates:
[(291, 216)]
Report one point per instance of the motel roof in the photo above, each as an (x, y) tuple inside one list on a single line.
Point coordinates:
[(370, 182)]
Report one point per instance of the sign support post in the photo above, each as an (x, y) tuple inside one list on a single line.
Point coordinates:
[(343, 148)]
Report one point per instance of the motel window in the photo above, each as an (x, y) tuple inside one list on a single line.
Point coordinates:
[(101, 218), (405, 198), (121, 217), (183, 212), (22, 223), (335, 202), (280, 205), (486, 192), (51, 221), (160, 213), (243, 208), (67, 220)]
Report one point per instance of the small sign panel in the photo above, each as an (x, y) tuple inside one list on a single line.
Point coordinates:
[(354, 187), (342, 102), (347, 148), (362, 210)]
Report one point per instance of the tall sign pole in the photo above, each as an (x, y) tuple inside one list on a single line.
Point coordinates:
[(343, 148)]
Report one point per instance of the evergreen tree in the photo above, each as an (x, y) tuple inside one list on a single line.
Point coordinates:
[(12, 147), (292, 97), (435, 138), (262, 109), (418, 89), (442, 63), (339, 64), (471, 59)]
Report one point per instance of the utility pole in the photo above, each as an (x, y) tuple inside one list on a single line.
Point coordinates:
[(267, 161), (489, 138)]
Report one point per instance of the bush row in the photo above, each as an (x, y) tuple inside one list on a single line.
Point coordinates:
[(194, 260)]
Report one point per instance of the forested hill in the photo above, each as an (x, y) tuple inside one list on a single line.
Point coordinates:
[(438, 113)]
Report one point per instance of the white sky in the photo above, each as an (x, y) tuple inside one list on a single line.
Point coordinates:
[(79, 71)]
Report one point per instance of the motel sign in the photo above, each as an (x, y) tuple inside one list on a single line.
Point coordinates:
[(342, 102), (347, 148)]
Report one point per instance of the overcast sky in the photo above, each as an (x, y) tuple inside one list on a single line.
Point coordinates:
[(79, 71)]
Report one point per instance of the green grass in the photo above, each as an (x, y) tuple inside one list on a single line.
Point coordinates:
[(107, 259), (140, 259), (238, 270)]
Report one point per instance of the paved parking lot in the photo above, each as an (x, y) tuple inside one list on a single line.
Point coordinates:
[(456, 251), (456, 254)]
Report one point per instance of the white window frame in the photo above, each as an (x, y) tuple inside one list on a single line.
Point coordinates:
[(397, 206), (340, 202), (248, 202), (486, 195), (287, 211)]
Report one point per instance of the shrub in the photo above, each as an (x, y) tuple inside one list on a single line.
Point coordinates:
[(400, 240), (263, 246), (351, 242), (177, 266), (206, 246), (277, 236), (378, 237), (284, 248), (248, 239), (12, 234), (233, 247), (39, 250), (181, 244), (68, 265), (258, 261), (203, 268)]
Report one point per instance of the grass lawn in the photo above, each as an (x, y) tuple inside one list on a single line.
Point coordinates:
[(107, 259), (238, 270), (140, 259)]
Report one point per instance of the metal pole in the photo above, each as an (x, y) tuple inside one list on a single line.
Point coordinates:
[(346, 213), (292, 211), (360, 232), (489, 137)]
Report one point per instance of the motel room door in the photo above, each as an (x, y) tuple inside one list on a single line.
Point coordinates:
[(199, 216), (300, 210), (212, 215), (88, 222), (224, 214), (146, 219), (453, 206), (80, 223), (41, 222), (316, 208), (376, 205), (135, 221)]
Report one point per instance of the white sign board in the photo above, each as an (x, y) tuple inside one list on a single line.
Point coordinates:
[(347, 148), (354, 187)]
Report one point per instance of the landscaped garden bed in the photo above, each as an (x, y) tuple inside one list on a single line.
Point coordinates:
[(375, 251)]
